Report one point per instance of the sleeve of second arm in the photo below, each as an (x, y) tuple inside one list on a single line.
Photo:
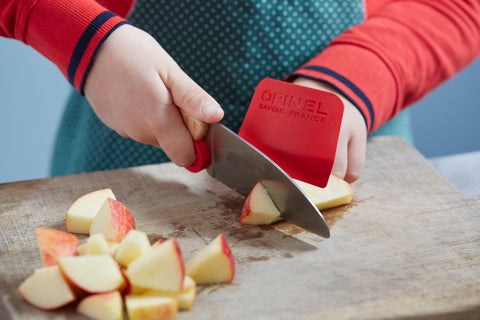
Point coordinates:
[(398, 55)]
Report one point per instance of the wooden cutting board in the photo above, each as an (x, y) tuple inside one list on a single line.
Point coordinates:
[(407, 247)]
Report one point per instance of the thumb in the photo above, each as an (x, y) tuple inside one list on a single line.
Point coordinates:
[(190, 97)]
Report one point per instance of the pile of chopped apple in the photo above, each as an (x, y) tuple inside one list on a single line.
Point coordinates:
[(260, 209), (117, 269)]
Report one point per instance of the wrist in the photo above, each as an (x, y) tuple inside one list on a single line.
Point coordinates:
[(325, 86), (69, 33)]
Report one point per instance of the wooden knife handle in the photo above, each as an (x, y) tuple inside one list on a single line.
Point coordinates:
[(198, 129)]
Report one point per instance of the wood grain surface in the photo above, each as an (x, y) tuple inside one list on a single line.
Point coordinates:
[(407, 247)]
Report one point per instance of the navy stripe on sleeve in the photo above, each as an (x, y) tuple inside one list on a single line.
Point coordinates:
[(351, 86), (92, 58), (83, 42)]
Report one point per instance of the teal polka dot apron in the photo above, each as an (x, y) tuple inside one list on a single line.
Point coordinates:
[(227, 47)]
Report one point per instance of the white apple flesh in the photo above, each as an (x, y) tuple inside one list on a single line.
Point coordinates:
[(259, 208), (81, 213), (337, 192), (47, 289), (184, 298), (113, 220), (92, 273), (151, 308), (134, 245), (213, 264), (161, 268), (102, 306)]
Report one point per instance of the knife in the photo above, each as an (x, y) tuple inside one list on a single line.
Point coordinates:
[(235, 162)]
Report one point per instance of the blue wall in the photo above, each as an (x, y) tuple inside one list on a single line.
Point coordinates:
[(447, 121), (33, 92), (32, 95)]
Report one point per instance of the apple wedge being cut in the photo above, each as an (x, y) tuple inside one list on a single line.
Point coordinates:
[(338, 192), (81, 213), (160, 268), (184, 298), (92, 273), (54, 244), (151, 308), (46, 289), (259, 208), (102, 306), (213, 264), (134, 245), (113, 220)]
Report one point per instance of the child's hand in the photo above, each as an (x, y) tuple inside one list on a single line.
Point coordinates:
[(136, 88), (352, 142)]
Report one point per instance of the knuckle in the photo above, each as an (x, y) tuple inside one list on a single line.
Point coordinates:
[(191, 93)]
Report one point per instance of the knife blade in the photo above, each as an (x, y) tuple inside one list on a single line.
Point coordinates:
[(239, 165)]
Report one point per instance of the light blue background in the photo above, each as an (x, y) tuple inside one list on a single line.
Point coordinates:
[(33, 92)]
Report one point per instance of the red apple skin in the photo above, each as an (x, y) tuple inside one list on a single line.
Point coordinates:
[(122, 219), (158, 242), (246, 210), (228, 253), (54, 244), (180, 259)]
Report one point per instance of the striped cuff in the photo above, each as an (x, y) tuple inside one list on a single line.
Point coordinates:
[(342, 84), (361, 75), (69, 33), (88, 45)]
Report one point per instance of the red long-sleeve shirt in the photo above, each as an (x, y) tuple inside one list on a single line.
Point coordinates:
[(403, 50)]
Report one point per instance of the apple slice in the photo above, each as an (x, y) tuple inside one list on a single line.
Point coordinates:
[(213, 264), (134, 245), (55, 243), (184, 298), (259, 208), (161, 268), (81, 213), (82, 249), (151, 308), (46, 289), (102, 306), (96, 244), (113, 220), (337, 192), (92, 273)]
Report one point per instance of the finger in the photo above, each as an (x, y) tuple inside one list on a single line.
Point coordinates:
[(340, 163), (191, 97), (356, 158), (173, 137)]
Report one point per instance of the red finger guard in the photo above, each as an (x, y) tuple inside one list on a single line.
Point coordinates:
[(203, 156), (296, 126)]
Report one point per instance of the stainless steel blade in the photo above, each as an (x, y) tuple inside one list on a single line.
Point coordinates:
[(240, 165)]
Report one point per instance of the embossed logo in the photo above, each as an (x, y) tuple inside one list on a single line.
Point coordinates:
[(293, 106)]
